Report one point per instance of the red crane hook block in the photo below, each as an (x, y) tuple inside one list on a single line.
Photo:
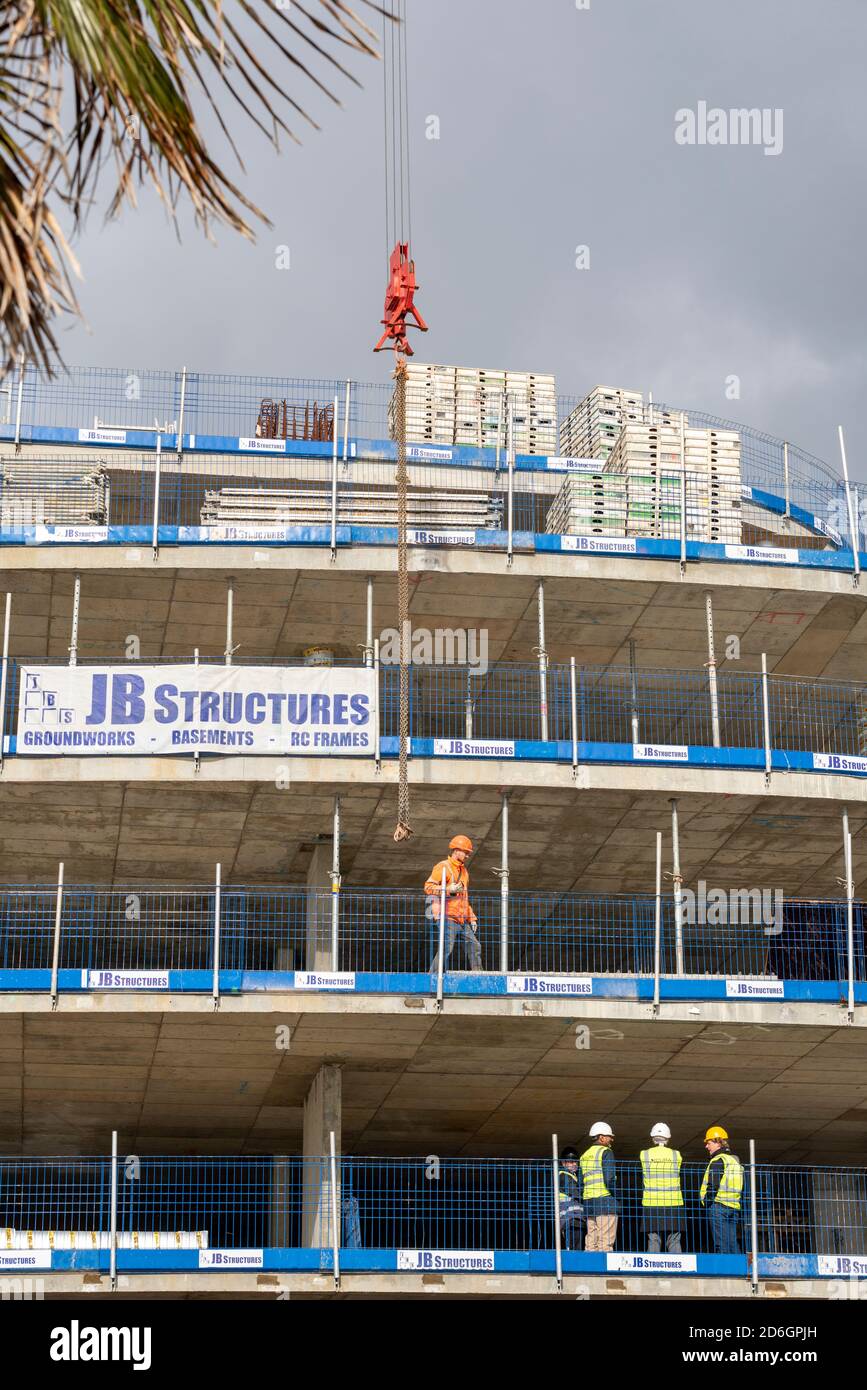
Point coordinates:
[(399, 295)]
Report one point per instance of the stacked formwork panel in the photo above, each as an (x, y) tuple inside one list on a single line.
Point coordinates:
[(651, 458), (467, 406), (592, 429)]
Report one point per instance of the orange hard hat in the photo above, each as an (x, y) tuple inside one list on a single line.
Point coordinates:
[(461, 842)]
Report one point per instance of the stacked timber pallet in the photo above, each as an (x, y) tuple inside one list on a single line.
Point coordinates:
[(592, 429), (465, 406), (53, 492), (589, 505), (310, 505), (651, 458)]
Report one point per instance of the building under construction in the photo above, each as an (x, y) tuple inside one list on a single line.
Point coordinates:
[(240, 1056)]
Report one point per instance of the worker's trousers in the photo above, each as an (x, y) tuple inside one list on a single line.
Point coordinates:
[(724, 1228), (672, 1242), (571, 1225), (471, 944), (601, 1232)]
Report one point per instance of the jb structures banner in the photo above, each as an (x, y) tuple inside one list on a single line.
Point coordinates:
[(214, 709)]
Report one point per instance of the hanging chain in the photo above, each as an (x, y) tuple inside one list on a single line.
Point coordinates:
[(403, 830)]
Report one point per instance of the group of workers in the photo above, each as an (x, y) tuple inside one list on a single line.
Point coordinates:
[(587, 1191), (587, 1186)]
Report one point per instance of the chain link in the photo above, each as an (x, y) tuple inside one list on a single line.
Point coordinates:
[(402, 830)]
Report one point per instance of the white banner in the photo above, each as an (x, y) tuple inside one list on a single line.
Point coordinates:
[(651, 1264), (837, 762), (549, 984), (755, 989), (458, 1261), (124, 979), (670, 752), (25, 1259), (280, 710), (231, 1259)]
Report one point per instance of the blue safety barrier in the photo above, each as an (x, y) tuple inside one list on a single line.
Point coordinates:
[(736, 944), (437, 1215)]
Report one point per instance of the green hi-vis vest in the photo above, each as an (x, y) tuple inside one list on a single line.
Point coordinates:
[(591, 1172), (661, 1171), (728, 1194), (568, 1196)]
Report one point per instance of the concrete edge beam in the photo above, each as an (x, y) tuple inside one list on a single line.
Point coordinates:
[(284, 1286), (363, 559), (297, 1003), (660, 780)]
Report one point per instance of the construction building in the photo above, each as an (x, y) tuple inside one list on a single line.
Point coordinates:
[(637, 686)]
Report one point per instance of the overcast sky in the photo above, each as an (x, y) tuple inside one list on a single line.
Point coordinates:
[(557, 130)]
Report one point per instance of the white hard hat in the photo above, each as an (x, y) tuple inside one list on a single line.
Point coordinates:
[(600, 1127), (660, 1132)]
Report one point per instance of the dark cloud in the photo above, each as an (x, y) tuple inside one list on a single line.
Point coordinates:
[(557, 129)]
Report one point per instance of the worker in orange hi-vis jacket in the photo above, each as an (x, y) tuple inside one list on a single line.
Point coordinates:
[(460, 918)]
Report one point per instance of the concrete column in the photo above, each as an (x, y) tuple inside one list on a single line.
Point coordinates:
[(318, 953), (322, 1114)]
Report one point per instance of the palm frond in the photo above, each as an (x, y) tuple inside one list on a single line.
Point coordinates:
[(85, 82)]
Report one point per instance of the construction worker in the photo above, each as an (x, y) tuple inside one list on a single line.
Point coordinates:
[(662, 1198), (460, 918), (721, 1190), (571, 1210), (597, 1182)]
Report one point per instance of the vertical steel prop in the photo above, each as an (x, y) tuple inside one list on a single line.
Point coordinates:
[(334, 434), (155, 529), (441, 939), (543, 664), (676, 884), (335, 888), (18, 403), (112, 1257), (377, 755), (633, 691), (55, 948), (368, 632), (850, 918), (346, 423), (682, 493), (218, 894), (573, 710), (503, 873), (179, 442), (230, 620), (4, 676), (555, 1192), (787, 492), (76, 608), (711, 669), (510, 502), (754, 1222), (657, 924), (766, 719), (853, 529), (335, 1217)]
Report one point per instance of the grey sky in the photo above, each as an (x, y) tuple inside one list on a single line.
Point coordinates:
[(557, 129)]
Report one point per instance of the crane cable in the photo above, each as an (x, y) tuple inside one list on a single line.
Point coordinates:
[(398, 209)]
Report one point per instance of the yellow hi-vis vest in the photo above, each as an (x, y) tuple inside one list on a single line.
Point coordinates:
[(728, 1194), (660, 1168), (573, 1177), (591, 1172)]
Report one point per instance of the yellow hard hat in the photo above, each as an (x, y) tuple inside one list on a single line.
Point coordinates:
[(716, 1132)]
